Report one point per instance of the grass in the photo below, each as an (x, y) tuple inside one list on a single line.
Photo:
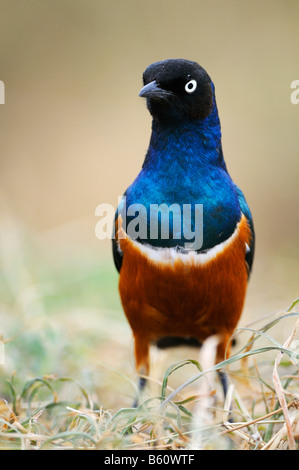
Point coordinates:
[(36, 414), (68, 380)]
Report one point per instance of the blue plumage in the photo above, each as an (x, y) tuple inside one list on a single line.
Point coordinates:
[(184, 165)]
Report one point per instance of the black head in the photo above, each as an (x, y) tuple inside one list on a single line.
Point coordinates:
[(177, 89)]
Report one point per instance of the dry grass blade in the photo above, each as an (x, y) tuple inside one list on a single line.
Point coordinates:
[(280, 391), (279, 439)]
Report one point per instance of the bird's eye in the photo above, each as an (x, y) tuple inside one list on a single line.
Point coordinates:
[(191, 86)]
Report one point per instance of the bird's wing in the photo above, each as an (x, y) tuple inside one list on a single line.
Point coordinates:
[(117, 253), (246, 211)]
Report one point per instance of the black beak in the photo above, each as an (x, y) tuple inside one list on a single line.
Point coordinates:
[(152, 90)]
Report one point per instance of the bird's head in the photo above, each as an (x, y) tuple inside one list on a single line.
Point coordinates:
[(177, 90)]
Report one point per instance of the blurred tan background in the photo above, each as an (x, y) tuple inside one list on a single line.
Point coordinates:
[(73, 132)]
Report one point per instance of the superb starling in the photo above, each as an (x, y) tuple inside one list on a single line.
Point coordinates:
[(186, 282)]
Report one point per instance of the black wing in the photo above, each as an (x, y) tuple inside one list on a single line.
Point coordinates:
[(117, 255), (246, 211)]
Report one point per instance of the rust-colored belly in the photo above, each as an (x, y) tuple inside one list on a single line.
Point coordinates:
[(180, 296)]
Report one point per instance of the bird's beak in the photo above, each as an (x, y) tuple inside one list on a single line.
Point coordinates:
[(152, 90)]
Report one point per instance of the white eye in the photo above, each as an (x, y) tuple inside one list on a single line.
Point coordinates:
[(191, 86)]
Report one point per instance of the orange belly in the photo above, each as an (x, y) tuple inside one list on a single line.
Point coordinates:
[(198, 296)]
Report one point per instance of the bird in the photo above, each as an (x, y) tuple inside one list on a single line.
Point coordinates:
[(174, 292)]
